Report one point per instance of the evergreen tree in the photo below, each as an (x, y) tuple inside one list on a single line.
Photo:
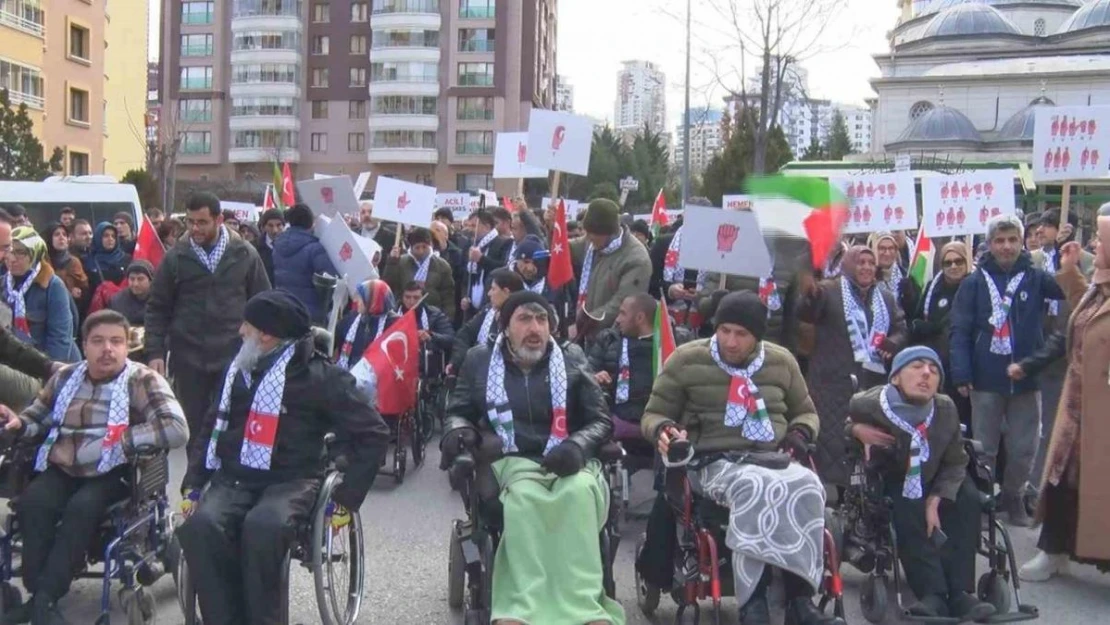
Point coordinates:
[(814, 152), (839, 143), (726, 172), (21, 153), (144, 186)]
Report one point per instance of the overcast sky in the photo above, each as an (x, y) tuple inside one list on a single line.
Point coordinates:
[(596, 35)]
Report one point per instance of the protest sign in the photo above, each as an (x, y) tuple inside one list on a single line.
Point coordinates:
[(736, 202), (490, 196), (879, 202), (724, 241), (1071, 143), (572, 207), (348, 251), (962, 204), (404, 202), (510, 157), (361, 182), (245, 212), (559, 141), (329, 196)]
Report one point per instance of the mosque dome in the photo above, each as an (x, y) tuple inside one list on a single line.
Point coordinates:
[(1091, 15), (941, 124), (970, 19), (1020, 125)]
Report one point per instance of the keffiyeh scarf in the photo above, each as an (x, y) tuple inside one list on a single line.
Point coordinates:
[(211, 260), (588, 265), (745, 408), (929, 295), (478, 276), (499, 411), (16, 298), (421, 275), (1050, 268), (866, 350), (487, 327), (539, 287), (912, 487), (894, 278), (119, 418), (344, 360), (624, 375), (512, 254), (1001, 340), (260, 431)]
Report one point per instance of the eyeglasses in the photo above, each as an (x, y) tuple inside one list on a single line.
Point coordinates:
[(955, 262)]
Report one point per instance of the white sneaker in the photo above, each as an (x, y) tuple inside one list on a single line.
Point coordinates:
[(1043, 567)]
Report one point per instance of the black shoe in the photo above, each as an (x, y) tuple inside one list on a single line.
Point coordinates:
[(967, 607), (930, 606), (801, 611), (18, 615), (756, 612), (45, 612)]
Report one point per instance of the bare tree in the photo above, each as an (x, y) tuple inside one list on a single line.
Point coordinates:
[(162, 150)]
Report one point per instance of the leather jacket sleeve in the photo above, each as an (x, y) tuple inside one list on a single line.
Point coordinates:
[(1055, 348), (461, 412), (443, 335), (465, 338), (587, 399)]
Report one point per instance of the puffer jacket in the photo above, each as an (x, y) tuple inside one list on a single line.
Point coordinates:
[(298, 254), (529, 394), (51, 316), (440, 284)]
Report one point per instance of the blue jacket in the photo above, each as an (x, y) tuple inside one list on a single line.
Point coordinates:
[(971, 331), (298, 254), (50, 317)]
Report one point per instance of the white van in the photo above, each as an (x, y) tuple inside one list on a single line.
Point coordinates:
[(95, 198)]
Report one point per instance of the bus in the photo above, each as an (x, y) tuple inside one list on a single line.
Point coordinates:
[(95, 198)]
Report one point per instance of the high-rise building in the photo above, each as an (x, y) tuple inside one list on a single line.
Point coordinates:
[(641, 97), (564, 94), (414, 89), (806, 120), (67, 61), (706, 139)]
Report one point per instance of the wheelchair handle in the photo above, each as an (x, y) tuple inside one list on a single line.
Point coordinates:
[(679, 454), (462, 466), (148, 451)]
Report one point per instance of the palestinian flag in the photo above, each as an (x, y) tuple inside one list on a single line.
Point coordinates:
[(825, 214), (921, 269), (659, 214), (662, 338), (279, 185)]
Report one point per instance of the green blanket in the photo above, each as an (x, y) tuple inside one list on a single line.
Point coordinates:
[(548, 568)]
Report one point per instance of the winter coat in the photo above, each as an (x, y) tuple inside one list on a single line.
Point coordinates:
[(318, 398), (832, 363), (529, 395), (613, 277), (266, 253), (50, 315), (125, 303), (692, 392), (931, 330), (196, 313), (495, 257), (970, 337), (467, 337), (605, 355), (439, 286), (72, 273), (298, 255), (439, 347)]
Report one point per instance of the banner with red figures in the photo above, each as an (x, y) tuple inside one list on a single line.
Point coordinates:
[(879, 202), (1071, 143), (963, 203)]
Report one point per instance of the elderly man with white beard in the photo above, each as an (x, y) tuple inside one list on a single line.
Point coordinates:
[(261, 454)]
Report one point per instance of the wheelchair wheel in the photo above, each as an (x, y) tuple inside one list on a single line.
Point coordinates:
[(337, 561), (186, 594), (418, 438), (993, 589), (400, 458), (456, 571), (647, 594), (835, 526), (873, 599)]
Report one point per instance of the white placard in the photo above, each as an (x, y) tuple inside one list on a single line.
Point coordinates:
[(962, 204), (1071, 143), (736, 202), (571, 206), (453, 200), (245, 212), (902, 162), (361, 182), (347, 252), (491, 198), (329, 196), (559, 141), (672, 213), (878, 202), (323, 176), (404, 202), (728, 242), (510, 157)]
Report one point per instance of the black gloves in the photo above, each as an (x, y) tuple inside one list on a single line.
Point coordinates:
[(567, 458), (455, 442), (796, 442)]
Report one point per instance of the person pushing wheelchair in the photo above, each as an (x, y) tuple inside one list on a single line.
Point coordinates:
[(936, 508)]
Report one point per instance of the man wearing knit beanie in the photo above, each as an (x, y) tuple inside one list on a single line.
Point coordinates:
[(736, 393), (421, 264), (613, 266), (131, 302)]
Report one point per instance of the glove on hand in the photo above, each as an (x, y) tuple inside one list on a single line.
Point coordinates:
[(567, 458)]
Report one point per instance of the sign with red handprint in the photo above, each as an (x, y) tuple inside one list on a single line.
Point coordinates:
[(723, 241), (963, 204), (726, 238), (510, 157), (404, 202), (873, 197), (559, 141), (1065, 139), (329, 196)]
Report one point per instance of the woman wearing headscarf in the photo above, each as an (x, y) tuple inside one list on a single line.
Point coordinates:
[(1076, 464), (42, 308), (890, 273), (109, 262), (859, 328), (376, 311), (929, 321), (65, 265)]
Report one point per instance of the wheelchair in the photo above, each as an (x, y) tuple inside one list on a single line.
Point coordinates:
[(474, 542), (702, 561), (133, 545), (335, 556), (638, 455), (431, 396), (863, 528)]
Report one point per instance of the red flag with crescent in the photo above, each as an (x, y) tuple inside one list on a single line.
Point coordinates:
[(560, 271), (395, 358)]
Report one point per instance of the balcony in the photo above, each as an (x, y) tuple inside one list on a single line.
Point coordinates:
[(265, 89), (397, 87), (400, 21), (21, 23), (409, 6), (264, 122), (32, 101), (384, 121), (262, 155), (426, 156), (274, 55), (477, 12), (267, 23), (404, 54), (196, 84), (478, 45)]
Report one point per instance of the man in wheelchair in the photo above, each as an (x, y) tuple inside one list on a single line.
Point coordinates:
[(91, 416), (913, 433), (536, 418), (738, 399), (434, 329), (261, 454)]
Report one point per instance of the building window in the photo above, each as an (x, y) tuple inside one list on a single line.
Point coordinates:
[(475, 74), (196, 77), (321, 44), (194, 111), (319, 142), (197, 12), (245, 107), (405, 71), (78, 164), (321, 12), (474, 142), (265, 73), (320, 77), (405, 105), (24, 15), (356, 142), (919, 109), (1039, 27), (265, 139), (418, 139), (196, 142), (196, 45), (356, 109), (476, 40), (477, 9), (358, 11), (405, 38), (406, 6), (257, 40), (319, 109), (473, 182), (79, 45), (24, 85), (358, 76), (475, 108), (78, 106), (358, 44)]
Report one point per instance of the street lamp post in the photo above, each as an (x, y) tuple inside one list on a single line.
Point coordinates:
[(686, 118)]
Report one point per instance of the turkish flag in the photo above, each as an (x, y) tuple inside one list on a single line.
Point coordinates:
[(394, 358), (288, 196), (148, 246), (261, 428), (560, 271)]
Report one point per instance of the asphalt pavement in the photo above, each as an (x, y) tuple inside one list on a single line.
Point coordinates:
[(406, 530)]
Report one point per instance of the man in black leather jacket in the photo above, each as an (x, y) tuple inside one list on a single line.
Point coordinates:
[(434, 329)]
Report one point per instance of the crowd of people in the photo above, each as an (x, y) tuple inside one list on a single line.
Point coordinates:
[(1004, 344)]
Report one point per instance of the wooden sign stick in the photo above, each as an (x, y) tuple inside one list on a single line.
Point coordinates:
[(1065, 200)]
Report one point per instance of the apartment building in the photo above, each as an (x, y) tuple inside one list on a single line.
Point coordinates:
[(641, 97), (706, 139), (415, 89)]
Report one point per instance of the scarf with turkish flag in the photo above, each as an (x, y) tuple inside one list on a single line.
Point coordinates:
[(148, 246), (560, 271), (390, 366)]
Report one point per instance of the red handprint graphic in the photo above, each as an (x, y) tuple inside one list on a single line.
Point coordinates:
[(940, 218), (1083, 127), (521, 152), (857, 215), (1056, 159), (726, 238), (955, 190), (899, 213), (859, 189), (345, 252), (888, 212), (950, 218), (944, 192), (1048, 159), (403, 201), (961, 216), (984, 214), (557, 137), (891, 188), (988, 188), (1055, 125), (1094, 158), (965, 191), (870, 190), (867, 214), (327, 194), (1084, 158), (851, 191), (1091, 127), (1063, 125), (978, 188), (1067, 157), (1072, 128)]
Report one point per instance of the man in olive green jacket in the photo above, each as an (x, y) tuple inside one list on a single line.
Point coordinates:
[(436, 277)]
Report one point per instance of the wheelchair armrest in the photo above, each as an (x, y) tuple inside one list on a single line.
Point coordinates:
[(610, 452), (973, 447), (150, 474)]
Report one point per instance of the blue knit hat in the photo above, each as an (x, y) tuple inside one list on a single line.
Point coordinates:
[(916, 352)]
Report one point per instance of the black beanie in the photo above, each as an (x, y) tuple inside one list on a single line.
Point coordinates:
[(141, 266), (602, 217), (517, 299), (745, 309), (419, 235), (278, 313)]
